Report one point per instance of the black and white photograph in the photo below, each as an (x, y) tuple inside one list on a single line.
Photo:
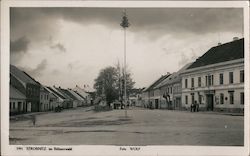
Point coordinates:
[(127, 76)]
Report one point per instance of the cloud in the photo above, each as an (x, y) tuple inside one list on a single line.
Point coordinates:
[(152, 22), (38, 71), (19, 45), (58, 46)]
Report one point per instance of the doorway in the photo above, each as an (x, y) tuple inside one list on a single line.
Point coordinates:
[(156, 104), (210, 102)]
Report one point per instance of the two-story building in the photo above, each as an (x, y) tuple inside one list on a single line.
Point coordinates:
[(17, 101), (216, 79), (44, 99), (28, 86), (151, 96), (170, 90)]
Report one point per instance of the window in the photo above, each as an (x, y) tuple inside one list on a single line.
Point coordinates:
[(192, 98), (186, 83), (186, 99), (231, 77), (221, 78), (200, 99), (14, 105), (242, 76), (199, 81), (221, 98), (192, 82), (210, 80), (41, 97), (10, 105), (171, 90), (206, 80), (242, 101), (231, 97)]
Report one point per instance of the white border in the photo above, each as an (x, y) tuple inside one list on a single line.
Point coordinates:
[(114, 150)]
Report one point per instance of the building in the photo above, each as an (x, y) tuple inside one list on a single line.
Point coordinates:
[(44, 99), (170, 90), (28, 87), (151, 96), (80, 100), (135, 97), (216, 79), (84, 94), (55, 99), (17, 101), (68, 101)]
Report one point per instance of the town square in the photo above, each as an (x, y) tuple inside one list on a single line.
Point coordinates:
[(140, 128), (127, 76)]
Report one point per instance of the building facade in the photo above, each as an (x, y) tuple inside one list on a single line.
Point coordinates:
[(27, 86), (216, 80), (44, 99), (17, 101)]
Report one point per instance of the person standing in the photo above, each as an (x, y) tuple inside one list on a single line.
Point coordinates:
[(197, 106)]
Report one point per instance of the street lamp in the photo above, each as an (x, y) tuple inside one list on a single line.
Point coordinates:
[(125, 24)]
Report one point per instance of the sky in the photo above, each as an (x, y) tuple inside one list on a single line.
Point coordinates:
[(69, 46)]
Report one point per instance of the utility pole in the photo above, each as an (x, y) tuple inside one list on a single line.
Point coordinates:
[(125, 24)]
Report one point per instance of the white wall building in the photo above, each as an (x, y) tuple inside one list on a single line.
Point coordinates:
[(216, 79)]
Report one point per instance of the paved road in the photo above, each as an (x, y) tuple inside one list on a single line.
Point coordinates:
[(140, 127)]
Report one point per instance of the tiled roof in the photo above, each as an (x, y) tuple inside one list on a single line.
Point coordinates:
[(163, 77), (79, 94), (221, 53), (76, 95), (69, 94), (173, 78), (15, 94), (63, 93), (56, 92), (21, 75)]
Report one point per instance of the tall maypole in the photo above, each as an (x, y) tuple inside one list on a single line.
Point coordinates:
[(125, 24)]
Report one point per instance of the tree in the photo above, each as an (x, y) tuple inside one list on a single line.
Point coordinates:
[(110, 83)]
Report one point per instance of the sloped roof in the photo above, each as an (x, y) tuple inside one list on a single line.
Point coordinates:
[(221, 53), (79, 94), (22, 76), (163, 77), (174, 77), (81, 91), (56, 92), (69, 94), (76, 95), (15, 94), (63, 93)]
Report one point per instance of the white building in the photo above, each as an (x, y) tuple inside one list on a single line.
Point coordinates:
[(17, 101), (169, 90), (216, 79)]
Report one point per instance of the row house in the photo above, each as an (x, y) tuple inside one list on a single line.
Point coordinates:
[(151, 96), (67, 101), (80, 100), (44, 99), (17, 101), (54, 100), (170, 90), (28, 86), (84, 94), (135, 97), (216, 80)]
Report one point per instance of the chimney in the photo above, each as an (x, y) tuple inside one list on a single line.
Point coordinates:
[(219, 44), (235, 38)]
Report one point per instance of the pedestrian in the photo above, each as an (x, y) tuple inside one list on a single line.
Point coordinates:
[(192, 107), (34, 120), (197, 106)]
